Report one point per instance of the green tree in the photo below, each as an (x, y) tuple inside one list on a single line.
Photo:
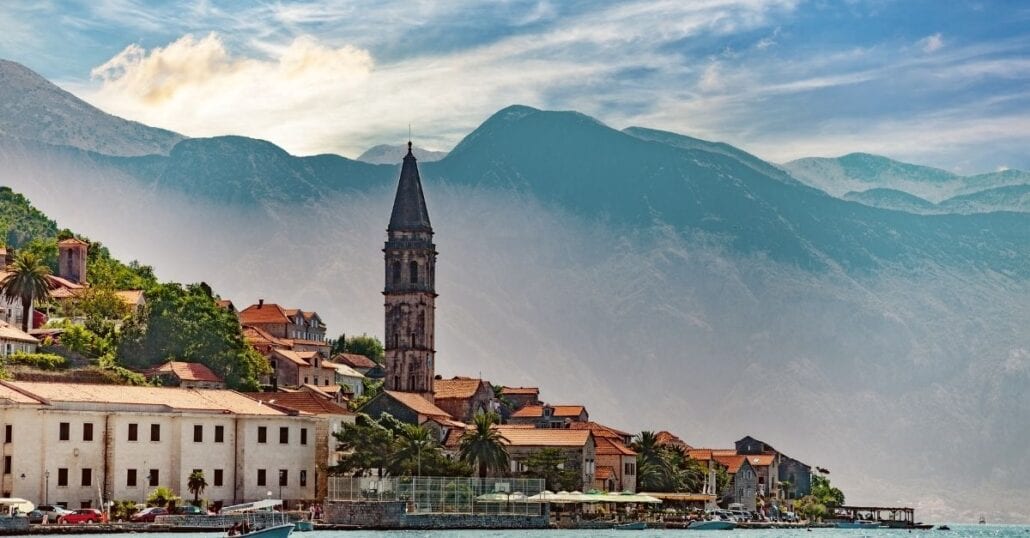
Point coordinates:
[(370, 389), (411, 444), (45, 249), (161, 496), (99, 306), (369, 346), (549, 464), (825, 493), (184, 323), (367, 446), (482, 446), (810, 508), (28, 281), (196, 484)]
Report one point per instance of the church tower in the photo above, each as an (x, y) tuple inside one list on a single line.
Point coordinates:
[(410, 288)]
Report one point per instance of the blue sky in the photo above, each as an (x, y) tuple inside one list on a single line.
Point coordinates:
[(940, 83)]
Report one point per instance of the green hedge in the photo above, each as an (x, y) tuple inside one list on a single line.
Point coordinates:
[(39, 361)]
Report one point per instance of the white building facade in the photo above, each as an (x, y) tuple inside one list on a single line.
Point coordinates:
[(73, 444)]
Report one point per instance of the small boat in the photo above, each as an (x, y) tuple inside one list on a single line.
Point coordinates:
[(282, 529), (983, 520), (712, 525), (923, 526), (631, 526), (943, 528), (277, 531), (858, 524)]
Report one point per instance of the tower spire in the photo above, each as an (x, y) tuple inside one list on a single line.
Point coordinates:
[(409, 206)]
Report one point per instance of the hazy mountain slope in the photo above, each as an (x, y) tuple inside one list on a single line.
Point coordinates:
[(1011, 198), (32, 107), (392, 154), (687, 142), (892, 199), (858, 172)]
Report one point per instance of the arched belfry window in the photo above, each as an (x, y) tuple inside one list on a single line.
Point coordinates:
[(411, 381), (396, 272), (414, 272)]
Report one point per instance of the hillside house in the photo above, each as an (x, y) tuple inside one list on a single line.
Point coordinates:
[(187, 375), (463, 397), (549, 416), (14, 340)]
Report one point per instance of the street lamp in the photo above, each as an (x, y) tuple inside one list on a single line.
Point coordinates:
[(46, 491)]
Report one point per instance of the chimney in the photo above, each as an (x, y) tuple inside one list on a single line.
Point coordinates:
[(261, 302)]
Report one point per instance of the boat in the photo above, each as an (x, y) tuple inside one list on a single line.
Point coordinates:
[(923, 526), (632, 526), (712, 525), (858, 524), (277, 531), (943, 528), (304, 526), (281, 530), (983, 520)]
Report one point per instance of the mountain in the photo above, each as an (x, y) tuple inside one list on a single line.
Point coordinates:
[(1010, 198), (33, 108), (857, 172), (391, 154), (662, 281), (892, 199)]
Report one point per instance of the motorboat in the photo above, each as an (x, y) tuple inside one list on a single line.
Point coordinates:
[(282, 529), (712, 525), (632, 526), (277, 531), (858, 524)]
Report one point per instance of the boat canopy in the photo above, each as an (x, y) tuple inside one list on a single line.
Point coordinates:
[(255, 506)]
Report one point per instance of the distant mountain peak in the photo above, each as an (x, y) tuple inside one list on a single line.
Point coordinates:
[(394, 153), (33, 108)]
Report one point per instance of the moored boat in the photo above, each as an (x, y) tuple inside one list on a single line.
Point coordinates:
[(632, 526), (277, 531), (858, 524), (712, 525)]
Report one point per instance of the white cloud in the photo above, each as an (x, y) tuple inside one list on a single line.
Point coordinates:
[(931, 43)]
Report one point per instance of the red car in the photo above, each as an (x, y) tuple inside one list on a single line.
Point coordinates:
[(147, 515), (85, 515)]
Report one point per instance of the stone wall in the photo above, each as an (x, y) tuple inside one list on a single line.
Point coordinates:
[(9, 525), (392, 515), (260, 519)]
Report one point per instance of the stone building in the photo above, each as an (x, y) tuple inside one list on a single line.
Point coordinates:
[(577, 446), (187, 375), (521, 396), (64, 443), (616, 462), (409, 407), (550, 416), (743, 488), (72, 254), (410, 263), (13, 340), (463, 397)]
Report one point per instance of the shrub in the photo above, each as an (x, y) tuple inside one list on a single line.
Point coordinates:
[(39, 361)]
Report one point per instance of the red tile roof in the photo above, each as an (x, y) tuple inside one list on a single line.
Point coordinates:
[(187, 371), (262, 314), (521, 391), (599, 430), (163, 398), (459, 388), (303, 401), (667, 438), (700, 454), (72, 241), (761, 460), (604, 472), (256, 336), (544, 437), (417, 404), (732, 463), (291, 356), (611, 447), (533, 411), (354, 360)]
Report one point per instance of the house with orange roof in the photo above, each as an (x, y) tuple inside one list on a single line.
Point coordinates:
[(463, 397), (743, 482), (576, 445), (304, 330), (331, 418), (549, 416), (293, 368), (188, 375), (521, 396), (408, 407), (77, 444), (358, 362), (14, 340), (600, 430), (619, 461), (668, 438)]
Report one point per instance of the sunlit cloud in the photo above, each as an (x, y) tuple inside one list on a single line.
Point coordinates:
[(931, 43)]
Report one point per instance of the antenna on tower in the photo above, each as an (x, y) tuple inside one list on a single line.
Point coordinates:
[(409, 137)]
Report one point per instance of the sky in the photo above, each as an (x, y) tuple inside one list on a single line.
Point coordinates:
[(937, 83)]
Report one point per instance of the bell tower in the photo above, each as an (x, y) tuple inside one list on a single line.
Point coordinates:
[(410, 294)]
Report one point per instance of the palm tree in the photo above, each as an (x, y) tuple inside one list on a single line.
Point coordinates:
[(412, 441), (483, 445), (196, 484), (28, 280)]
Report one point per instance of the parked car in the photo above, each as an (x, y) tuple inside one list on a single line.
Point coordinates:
[(84, 515), (35, 516), (189, 510), (147, 515), (53, 512)]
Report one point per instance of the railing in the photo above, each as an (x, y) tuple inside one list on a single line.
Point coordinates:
[(435, 494)]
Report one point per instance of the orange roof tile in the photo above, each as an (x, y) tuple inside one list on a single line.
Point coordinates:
[(302, 342), (724, 452), (604, 472), (265, 313), (667, 438), (732, 463), (186, 371), (761, 460), (304, 401), (700, 454), (72, 241), (417, 403), (599, 430), (354, 360), (533, 411), (257, 336), (291, 356), (521, 391), (610, 447), (10, 332), (167, 398), (461, 388), (544, 437)]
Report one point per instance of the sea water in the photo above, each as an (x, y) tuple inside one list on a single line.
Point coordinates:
[(957, 531)]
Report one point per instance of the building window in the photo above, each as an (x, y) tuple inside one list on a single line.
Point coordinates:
[(64, 431), (155, 478), (7, 465), (62, 477), (413, 268), (87, 431), (130, 478), (284, 478), (85, 504), (218, 478), (261, 477), (87, 477), (303, 479), (155, 432), (8, 433), (262, 434), (303, 436), (134, 432), (305, 380), (219, 434), (396, 272), (198, 433), (630, 469), (284, 435)]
